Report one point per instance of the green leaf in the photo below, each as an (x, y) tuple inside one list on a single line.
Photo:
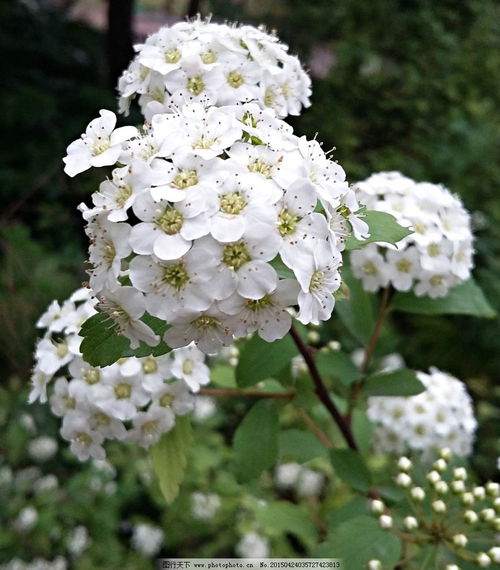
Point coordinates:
[(359, 540), (222, 375), (260, 359), (102, 345), (255, 442), (351, 468), (169, 457), (464, 299), (354, 508), (280, 517), (283, 271), (337, 366), (301, 446), (401, 382), (357, 312), (383, 228)]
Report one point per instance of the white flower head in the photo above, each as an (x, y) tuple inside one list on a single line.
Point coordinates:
[(435, 257)]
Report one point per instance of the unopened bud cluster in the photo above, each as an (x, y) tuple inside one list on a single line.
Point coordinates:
[(446, 509), (134, 400)]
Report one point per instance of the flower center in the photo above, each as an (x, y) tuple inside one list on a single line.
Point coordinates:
[(286, 90), (109, 253), (62, 349), (419, 228), (204, 142), (167, 400), (185, 178), (317, 280), (235, 255), (83, 438), (151, 427), (436, 280), (369, 268), (255, 305), (100, 146), (123, 195), (187, 366), (269, 96), (205, 322), (232, 203), (172, 55), (170, 221), (208, 57), (70, 402), (235, 79), (403, 265), (175, 275), (262, 167), (287, 222), (123, 391), (195, 85), (91, 376), (149, 366), (434, 250), (344, 211), (102, 419)]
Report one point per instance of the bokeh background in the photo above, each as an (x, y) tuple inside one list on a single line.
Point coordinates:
[(409, 85)]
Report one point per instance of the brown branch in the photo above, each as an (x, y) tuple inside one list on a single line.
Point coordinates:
[(230, 393), (322, 392)]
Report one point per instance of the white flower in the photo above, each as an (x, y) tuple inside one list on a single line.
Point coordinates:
[(149, 426), (78, 541), (204, 408), (85, 442), (253, 545), (436, 256), (42, 448), (100, 145), (189, 365), (441, 416), (26, 519), (204, 505), (215, 64), (147, 539)]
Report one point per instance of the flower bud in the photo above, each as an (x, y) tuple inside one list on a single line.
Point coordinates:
[(494, 553), (377, 506), (460, 473), (410, 523), (417, 494), (487, 514), (441, 487), (439, 506), (385, 521), (483, 560), (471, 517), (404, 464), (313, 337), (496, 524), (374, 565), (460, 540), (479, 493), (457, 486), (468, 499), (451, 567), (433, 477), (493, 489), (440, 465), (334, 345), (446, 453), (403, 480), (496, 504)]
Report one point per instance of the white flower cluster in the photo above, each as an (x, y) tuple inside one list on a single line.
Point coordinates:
[(442, 416), (206, 213), (435, 257), (304, 481), (213, 64), (134, 400), (147, 539)]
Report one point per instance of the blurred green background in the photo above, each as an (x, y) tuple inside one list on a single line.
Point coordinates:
[(397, 85)]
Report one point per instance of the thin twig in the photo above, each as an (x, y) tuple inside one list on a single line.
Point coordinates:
[(315, 429), (231, 393), (322, 392), (370, 348)]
